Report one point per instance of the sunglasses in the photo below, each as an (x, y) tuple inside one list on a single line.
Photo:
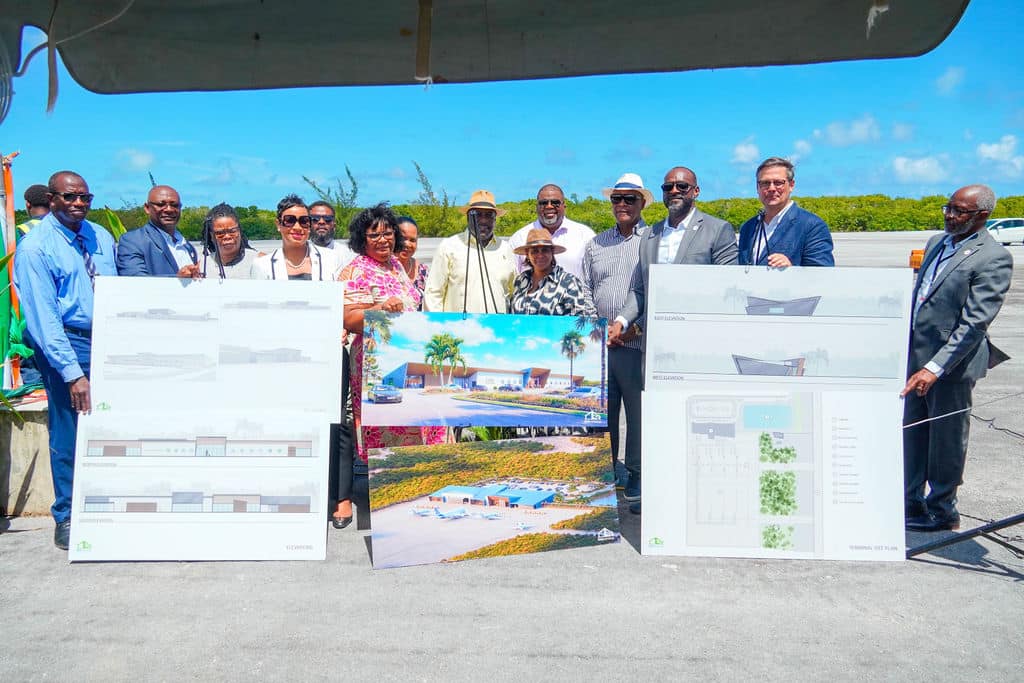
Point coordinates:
[(552, 202), (765, 184), (226, 232), (72, 196), (628, 199), (682, 187), (290, 221), (323, 219)]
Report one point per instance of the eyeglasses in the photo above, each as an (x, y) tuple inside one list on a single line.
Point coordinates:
[(552, 202), (378, 236), (628, 199), (72, 196), (765, 184), (323, 219), (682, 187), (165, 205), (290, 221), (226, 232), (951, 210)]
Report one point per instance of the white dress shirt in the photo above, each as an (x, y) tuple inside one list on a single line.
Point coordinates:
[(570, 234)]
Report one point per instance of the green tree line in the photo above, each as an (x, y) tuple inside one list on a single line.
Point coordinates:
[(438, 216)]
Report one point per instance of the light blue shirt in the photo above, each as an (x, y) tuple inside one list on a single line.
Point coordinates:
[(55, 289), (177, 245)]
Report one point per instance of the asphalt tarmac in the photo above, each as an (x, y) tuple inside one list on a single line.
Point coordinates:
[(602, 613)]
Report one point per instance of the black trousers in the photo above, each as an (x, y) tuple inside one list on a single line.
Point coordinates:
[(342, 450)]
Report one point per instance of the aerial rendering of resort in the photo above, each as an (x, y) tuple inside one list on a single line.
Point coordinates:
[(461, 501)]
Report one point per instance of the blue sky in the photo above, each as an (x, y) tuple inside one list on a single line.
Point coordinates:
[(906, 127), (501, 342)]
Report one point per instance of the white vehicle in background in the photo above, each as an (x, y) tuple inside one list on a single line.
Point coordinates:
[(1006, 230)]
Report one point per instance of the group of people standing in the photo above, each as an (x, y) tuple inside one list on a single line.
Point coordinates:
[(552, 266)]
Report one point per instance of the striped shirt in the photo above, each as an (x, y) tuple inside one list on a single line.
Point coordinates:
[(609, 261)]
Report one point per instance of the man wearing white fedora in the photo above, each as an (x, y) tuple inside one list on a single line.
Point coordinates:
[(473, 271)]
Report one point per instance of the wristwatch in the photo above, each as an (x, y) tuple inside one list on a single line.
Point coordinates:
[(637, 330)]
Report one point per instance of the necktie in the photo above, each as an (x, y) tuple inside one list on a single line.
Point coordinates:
[(90, 267)]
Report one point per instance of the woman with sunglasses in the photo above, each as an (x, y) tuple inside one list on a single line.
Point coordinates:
[(375, 280), (544, 287), (228, 254), (297, 258)]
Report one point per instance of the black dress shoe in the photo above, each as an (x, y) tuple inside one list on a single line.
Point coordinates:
[(62, 534), (634, 508), (929, 523)]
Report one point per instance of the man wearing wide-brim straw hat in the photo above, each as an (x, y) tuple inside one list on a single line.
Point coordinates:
[(472, 271)]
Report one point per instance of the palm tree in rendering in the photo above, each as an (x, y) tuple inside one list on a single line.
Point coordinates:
[(572, 346), (441, 349), (376, 330), (598, 326)]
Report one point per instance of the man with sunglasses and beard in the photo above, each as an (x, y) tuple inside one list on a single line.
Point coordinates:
[(565, 232), (158, 248), (57, 264), (324, 230)]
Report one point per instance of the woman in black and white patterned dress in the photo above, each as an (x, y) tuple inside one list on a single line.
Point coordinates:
[(544, 288)]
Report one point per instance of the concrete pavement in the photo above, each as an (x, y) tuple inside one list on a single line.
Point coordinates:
[(603, 613)]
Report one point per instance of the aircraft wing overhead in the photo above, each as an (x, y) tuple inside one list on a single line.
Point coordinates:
[(155, 45)]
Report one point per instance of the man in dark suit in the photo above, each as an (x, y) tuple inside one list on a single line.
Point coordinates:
[(960, 287), (157, 248), (782, 234)]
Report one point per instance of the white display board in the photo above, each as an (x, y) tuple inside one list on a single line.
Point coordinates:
[(772, 417), (208, 440)]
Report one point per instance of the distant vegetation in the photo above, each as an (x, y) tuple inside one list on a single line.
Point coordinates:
[(529, 543), (438, 216)]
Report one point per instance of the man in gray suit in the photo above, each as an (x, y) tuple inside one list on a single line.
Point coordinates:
[(688, 235), (960, 287)]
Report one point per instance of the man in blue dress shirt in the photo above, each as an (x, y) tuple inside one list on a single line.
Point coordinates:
[(158, 248), (54, 272)]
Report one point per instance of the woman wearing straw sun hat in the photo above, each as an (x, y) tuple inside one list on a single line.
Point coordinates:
[(544, 287)]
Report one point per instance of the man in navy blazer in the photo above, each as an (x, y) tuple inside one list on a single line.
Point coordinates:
[(782, 234), (157, 248), (960, 287)]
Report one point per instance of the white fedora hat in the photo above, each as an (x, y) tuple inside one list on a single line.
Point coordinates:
[(630, 181)]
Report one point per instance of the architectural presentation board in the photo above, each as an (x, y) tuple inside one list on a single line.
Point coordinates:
[(772, 417), (453, 369), (489, 498), (212, 402)]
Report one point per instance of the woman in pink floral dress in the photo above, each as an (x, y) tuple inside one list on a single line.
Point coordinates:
[(376, 281)]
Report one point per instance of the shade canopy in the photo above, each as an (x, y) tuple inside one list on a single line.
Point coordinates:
[(119, 46)]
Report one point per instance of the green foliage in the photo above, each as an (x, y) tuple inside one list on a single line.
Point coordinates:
[(529, 543), (777, 537), (416, 471), (769, 453), (778, 492), (595, 520)]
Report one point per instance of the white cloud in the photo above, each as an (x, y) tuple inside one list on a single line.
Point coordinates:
[(746, 152), (417, 328), (844, 134), (1004, 155), (950, 80), (801, 148), (924, 169), (902, 131), (135, 160)]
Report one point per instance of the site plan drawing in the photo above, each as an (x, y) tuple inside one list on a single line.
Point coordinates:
[(212, 405), (454, 369), (772, 417), (489, 498)]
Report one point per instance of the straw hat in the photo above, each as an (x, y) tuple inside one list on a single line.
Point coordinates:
[(630, 181), (482, 199), (538, 237)]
